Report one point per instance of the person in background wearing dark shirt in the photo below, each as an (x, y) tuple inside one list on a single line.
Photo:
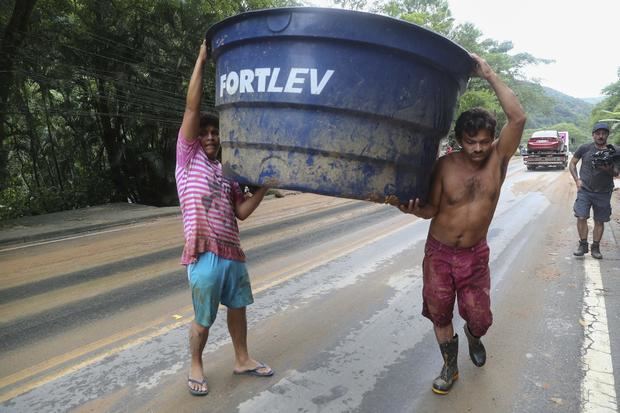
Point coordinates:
[(594, 188)]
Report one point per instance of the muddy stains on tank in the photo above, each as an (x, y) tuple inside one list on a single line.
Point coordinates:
[(320, 106), (372, 162)]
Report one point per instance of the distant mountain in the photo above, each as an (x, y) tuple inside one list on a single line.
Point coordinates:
[(565, 109), (593, 101)]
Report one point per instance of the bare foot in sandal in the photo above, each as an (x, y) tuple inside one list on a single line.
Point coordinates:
[(197, 387), (259, 370)]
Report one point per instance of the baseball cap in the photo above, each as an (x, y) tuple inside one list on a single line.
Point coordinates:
[(600, 125)]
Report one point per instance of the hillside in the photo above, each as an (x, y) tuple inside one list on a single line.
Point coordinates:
[(593, 101), (566, 109)]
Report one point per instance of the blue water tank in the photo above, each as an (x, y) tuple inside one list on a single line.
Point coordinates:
[(332, 101)]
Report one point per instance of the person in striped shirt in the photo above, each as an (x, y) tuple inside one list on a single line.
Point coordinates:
[(211, 204)]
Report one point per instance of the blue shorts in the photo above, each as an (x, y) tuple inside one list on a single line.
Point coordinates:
[(600, 202), (216, 280)]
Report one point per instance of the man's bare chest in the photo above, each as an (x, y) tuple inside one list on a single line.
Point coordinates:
[(471, 188)]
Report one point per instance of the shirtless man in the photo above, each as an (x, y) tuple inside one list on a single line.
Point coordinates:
[(464, 191)]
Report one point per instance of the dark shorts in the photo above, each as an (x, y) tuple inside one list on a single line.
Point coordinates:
[(457, 272), (216, 280), (600, 202)]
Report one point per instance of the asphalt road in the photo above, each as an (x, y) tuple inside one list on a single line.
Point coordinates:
[(97, 321)]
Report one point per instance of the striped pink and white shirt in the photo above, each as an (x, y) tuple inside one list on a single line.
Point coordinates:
[(207, 201)]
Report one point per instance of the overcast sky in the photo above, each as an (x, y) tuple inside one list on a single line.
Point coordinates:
[(583, 37)]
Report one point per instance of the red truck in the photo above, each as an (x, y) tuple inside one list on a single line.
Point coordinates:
[(547, 148)]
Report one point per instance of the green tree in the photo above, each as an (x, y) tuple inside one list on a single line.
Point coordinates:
[(432, 14), (352, 4), (14, 32), (92, 93), (608, 110)]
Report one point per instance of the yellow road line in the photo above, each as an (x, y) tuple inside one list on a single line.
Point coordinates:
[(58, 360), (286, 274), (81, 351)]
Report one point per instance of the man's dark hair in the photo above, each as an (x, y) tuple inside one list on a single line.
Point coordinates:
[(473, 120), (209, 119)]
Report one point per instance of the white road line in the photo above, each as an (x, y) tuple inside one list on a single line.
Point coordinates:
[(71, 237), (598, 392)]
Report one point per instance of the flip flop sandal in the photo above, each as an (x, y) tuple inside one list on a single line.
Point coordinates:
[(255, 372), (195, 392)]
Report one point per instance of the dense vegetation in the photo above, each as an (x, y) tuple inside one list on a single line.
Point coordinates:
[(564, 113), (92, 93), (609, 109), (564, 109)]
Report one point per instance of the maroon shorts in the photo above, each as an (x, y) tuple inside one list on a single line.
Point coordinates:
[(451, 272)]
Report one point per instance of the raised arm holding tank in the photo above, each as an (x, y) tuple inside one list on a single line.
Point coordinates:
[(210, 204)]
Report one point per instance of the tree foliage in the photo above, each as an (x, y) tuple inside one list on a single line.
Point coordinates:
[(608, 110), (92, 94), (432, 14), (562, 108)]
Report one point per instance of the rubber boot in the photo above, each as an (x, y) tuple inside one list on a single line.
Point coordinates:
[(450, 370), (582, 249), (596, 251), (477, 353)]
